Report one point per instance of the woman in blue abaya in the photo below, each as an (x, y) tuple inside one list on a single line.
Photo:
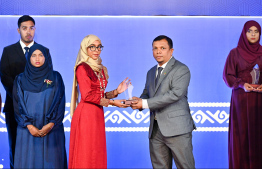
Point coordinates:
[(39, 105)]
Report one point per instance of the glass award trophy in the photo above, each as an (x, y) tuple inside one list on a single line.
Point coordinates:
[(128, 94), (255, 73)]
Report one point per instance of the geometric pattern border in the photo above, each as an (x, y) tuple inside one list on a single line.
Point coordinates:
[(137, 117), (145, 129)]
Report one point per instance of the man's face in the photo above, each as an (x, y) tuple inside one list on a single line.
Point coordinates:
[(161, 51), (27, 32)]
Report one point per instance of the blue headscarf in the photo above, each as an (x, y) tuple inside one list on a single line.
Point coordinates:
[(34, 78)]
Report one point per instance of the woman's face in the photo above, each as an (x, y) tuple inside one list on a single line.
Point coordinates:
[(94, 50), (252, 34), (37, 59)]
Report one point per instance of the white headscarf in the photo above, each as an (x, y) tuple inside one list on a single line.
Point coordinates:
[(96, 65)]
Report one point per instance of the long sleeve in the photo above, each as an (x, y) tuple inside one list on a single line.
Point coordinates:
[(177, 91), (230, 71), (144, 104), (21, 115), (5, 73), (84, 82), (110, 95), (145, 94), (56, 111)]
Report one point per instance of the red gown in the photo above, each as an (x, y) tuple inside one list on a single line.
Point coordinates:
[(87, 138), (245, 121)]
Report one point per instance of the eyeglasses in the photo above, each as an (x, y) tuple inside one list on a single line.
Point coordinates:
[(93, 48)]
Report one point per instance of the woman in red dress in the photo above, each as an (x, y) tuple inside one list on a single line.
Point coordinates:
[(87, 138), (245, 121)]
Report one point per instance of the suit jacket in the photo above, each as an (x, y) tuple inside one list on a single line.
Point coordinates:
[(168, 99), (12, 64)]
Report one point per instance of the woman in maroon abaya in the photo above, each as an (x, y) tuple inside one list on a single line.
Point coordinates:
[(245, 121)]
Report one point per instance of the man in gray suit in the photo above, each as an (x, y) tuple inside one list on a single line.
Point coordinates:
[(165, 94)]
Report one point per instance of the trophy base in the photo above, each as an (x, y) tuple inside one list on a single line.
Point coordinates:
[(128, 102), (255, 85)]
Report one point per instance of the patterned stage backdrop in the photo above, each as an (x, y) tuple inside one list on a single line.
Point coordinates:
[(202, 43)]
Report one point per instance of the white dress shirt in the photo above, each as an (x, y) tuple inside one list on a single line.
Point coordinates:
[(23, 45)]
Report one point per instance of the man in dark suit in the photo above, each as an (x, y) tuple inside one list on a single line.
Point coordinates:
[(13, 63), (165, 94)]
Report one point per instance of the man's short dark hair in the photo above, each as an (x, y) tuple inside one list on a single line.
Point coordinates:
[(25, 18), (169, 41)]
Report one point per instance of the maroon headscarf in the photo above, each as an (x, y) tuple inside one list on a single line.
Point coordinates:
[(249, 51)]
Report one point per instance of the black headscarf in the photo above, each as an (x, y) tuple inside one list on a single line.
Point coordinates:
[(34, 78)]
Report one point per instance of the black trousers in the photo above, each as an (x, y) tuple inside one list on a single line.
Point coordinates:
[(11, 126)]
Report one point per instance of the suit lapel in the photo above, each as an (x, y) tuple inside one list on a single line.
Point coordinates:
[(165, 72), (19, 49), (153, 78)]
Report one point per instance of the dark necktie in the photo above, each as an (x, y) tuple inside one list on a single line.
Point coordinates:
[(158, 74), (26, 51)]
